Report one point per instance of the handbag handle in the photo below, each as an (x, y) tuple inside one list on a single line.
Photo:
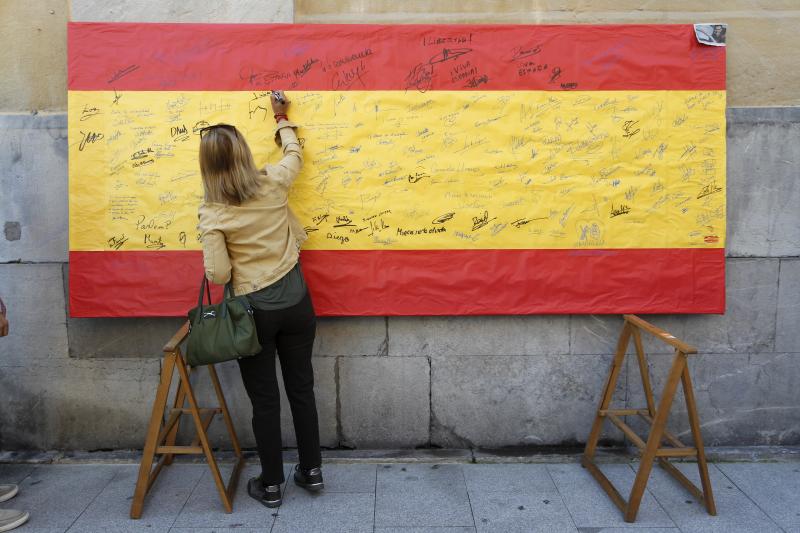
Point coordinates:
[(227, 293), (203, 284)]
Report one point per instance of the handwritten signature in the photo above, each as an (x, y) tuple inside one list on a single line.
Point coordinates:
[(89, 112), (154, 242), (481, 221), (629, 128), (89, 138), (117, 242), (444, 218), (622, 209), (420, 76), (711, 188), (123, 72), (518, 52)]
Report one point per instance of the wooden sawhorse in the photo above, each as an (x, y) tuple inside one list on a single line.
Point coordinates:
[(161, 435), (657, 419)]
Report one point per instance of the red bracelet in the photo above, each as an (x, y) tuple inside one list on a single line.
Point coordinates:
[(279, 116)]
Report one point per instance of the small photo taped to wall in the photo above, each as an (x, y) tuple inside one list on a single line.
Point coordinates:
[(711, 34)]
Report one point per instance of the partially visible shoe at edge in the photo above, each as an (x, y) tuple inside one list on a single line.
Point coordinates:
[(11, 519), (269, 495), (308, 479), (7, 492)]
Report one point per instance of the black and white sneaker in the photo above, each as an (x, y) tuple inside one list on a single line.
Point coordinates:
[(308, 479), (269, 495)]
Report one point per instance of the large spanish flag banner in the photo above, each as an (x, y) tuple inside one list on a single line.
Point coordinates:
[(480, 169)]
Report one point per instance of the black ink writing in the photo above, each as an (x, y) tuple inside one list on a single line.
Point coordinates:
[(420, 231), (417, 176), (629, 128), (346, 78), (481, 221), (123, 72), (89, 112), (117, 242), (89, 138), (444, 218), (518, 52), (711, 188), (343, 221), (621, 210), (341, 238), (474, 82), (459, 39), (179, 133), (153, 242)]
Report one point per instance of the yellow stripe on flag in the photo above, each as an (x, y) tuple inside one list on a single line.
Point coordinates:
[(409, 170)]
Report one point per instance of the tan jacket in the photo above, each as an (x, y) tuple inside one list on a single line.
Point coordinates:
[(258, 242)]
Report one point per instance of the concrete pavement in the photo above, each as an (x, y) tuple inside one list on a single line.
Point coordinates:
[(447, 496)]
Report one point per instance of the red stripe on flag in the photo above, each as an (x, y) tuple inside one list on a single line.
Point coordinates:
[(231, 57), (127, 284), (426, 282)]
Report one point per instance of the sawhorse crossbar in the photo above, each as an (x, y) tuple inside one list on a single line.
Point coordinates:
[(161, 434), (656, 418)]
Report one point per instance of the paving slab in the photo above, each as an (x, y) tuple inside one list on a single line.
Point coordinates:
[(627, 530), (204, 506), (56, 495), (591, 507), (407, 498), (358, 478), (14, 473), (524, 478), (735, 511), (334, 512), (419, 495), (774, 487), (424, 530), (219, 530), (28, 528), (403, 455), (398, 478), (110, 511), (131, 527), (515, 512)]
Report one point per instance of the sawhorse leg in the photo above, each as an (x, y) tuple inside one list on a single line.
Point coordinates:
[(145, 477), (161, 435), (652, 449)]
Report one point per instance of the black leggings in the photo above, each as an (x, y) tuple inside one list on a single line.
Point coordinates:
[(291, 331)]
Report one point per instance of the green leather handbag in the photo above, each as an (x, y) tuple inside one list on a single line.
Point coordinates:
[(221, 332)]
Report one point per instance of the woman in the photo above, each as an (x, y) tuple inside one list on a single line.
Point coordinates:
[(252, 239)]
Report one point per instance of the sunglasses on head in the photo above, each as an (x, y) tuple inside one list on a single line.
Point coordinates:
[(228, 127)]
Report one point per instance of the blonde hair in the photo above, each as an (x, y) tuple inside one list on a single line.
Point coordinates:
[(229, 173)]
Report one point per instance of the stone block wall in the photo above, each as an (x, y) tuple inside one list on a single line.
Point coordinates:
[(405, 382)]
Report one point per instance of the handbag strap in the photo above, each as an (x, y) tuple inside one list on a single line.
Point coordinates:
[(203, 284), (227, 294)]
